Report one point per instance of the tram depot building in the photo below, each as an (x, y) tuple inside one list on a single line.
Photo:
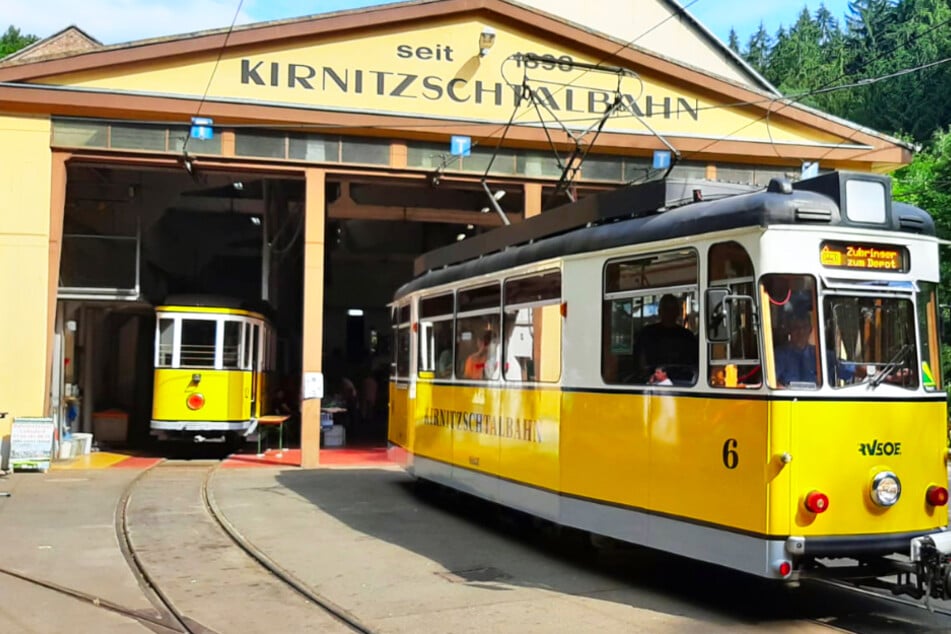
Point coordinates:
[(342, 146)]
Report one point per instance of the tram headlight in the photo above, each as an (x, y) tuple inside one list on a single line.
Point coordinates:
[(886, 488)]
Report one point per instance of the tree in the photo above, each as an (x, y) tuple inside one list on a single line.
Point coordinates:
[(757, 49), (866, 19), (926, 183), (12, 41), (734, 41)]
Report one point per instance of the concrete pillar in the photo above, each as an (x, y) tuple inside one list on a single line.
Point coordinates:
[(314, 219), (57, 210)]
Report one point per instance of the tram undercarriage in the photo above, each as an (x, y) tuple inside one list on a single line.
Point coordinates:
[(924, 574)]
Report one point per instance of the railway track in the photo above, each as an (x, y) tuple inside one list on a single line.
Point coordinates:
[(183, 588), (171, 606), (940, 608)]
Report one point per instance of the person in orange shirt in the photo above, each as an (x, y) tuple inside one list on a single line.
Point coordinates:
[(476, 362)]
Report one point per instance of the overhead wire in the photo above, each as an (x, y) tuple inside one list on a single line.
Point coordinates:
[(214, 69)]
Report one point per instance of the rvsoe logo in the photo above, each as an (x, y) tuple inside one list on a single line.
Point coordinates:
[(876, 448)]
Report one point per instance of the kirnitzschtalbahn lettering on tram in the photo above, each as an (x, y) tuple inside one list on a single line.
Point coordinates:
[(475, 422)]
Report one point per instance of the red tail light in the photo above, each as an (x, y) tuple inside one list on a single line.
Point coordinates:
[(817, 502), (785, 568), (937, 496), (195, 401)]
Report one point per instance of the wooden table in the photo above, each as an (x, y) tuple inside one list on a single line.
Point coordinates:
[(273, 420)]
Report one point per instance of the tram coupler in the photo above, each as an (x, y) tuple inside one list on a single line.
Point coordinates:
[(931, 557)]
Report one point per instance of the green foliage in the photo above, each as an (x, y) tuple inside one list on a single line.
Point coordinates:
[(878, 68), (880, 39), (734, 41), (926, 183), (12, 41)]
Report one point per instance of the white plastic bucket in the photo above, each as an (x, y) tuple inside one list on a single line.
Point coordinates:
[(82, 444)]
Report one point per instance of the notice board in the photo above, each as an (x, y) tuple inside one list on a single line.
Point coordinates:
[(31, 443)]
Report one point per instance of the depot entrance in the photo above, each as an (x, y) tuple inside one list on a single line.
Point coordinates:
[(136, 237)]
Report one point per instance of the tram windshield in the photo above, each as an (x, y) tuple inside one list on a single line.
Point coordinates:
[(863, 339), (870, 340)]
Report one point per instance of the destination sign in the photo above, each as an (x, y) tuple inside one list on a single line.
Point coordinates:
[(864, 257)]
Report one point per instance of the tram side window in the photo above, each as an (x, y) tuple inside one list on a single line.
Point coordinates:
[(255, 345), (198, 343), (649, 320), (166, 345), (931, 370), (735, 363), (231, 350), (792, 331), (246, 362), (401, 334), (531, 328), (477, 333), (435, 337), (402, 351)]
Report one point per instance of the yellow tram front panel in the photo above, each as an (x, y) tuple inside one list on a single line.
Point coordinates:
[(227, 395), (837, 447)]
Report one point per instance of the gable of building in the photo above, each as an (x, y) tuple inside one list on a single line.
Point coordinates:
[(68, 41), (410, 60), (664, 27)]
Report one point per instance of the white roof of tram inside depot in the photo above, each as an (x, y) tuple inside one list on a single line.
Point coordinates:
[(763, 209)]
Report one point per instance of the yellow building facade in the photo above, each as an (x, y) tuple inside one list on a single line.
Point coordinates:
[(391, 85)]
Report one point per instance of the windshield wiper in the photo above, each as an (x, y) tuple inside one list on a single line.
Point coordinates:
[(896, 361)]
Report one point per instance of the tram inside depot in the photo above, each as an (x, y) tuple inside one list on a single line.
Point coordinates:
[(138, 238)]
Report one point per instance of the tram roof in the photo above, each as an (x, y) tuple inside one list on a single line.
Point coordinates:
[(215, 303), (654, 212)]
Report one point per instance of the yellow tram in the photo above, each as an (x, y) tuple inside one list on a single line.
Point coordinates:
[(212, 363), (751, 380)]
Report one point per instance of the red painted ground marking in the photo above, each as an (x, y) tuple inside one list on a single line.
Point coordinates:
[(354, 457), (288, 458)]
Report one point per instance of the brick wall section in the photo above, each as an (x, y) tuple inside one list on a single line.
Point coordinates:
[(67, 42)]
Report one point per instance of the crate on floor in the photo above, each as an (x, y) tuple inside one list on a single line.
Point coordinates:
[(110, 426), (334, 436)]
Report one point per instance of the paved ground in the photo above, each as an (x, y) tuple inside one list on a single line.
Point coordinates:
[(365, 539)]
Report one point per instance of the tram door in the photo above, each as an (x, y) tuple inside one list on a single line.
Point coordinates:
[(253, 362)]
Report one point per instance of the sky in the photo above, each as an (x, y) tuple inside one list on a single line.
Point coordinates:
[(114, 21)]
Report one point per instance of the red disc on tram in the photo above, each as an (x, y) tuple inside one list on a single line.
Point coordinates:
[(195, 401)]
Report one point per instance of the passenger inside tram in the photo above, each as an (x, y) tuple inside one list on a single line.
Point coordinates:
[(476, 366), (669, 344)]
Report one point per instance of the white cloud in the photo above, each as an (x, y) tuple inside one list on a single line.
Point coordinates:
[(113, 21)]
